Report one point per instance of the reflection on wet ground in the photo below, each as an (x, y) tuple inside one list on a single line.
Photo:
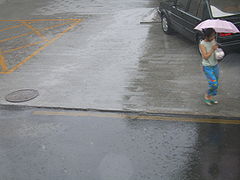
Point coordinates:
[(218, 152), (57, 144), (169, 78), (112, 62), (164, 69)]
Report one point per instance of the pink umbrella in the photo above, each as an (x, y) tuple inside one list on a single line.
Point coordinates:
[(220, 26)]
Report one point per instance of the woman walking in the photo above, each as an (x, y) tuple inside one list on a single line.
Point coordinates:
[(207, 48)]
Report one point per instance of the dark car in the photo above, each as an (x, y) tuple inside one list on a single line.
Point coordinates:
[(183, 15)]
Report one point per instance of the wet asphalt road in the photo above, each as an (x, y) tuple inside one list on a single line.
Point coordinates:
[(109, 61), (41, 144)]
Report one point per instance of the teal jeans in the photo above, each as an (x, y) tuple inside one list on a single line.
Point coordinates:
[(212, 75)]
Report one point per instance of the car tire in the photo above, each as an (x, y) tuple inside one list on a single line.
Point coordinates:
[(166, 27)]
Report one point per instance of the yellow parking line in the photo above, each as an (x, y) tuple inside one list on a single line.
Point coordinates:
[(26, 34), (36, 31), (10, 27), (71, 22), (21, 47), (39, 20), (3, 63), (15, 37), (41, 48), (54, 26), (139, 117)]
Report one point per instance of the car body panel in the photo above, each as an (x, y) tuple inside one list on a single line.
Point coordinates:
[(183, 20)]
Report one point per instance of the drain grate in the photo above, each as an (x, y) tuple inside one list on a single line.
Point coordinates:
[(22, 95)]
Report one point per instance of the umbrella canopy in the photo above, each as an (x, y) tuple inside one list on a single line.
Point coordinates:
[(220, 26)]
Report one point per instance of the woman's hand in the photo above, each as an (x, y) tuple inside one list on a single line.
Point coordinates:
[(204, 52), (214, 47)]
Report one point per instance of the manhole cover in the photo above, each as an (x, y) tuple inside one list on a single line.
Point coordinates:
[(22, 95)]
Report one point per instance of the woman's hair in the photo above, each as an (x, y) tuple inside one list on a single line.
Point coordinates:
[(208, 32)]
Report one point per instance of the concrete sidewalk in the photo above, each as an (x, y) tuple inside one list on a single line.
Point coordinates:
[(112, 62)]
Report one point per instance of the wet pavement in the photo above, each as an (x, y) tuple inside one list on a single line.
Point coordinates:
[(97, 55), (38, 143), (146, 89)]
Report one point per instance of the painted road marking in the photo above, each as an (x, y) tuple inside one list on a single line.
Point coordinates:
[(29, 33), (36, 31), (39, 32), (3, 63), (22, 47), (10, 27), (138, 117), (38, 20)]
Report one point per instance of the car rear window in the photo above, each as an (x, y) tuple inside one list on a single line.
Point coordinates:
[(223, 8)]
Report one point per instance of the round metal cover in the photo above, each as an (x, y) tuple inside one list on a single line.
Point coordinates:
[(22, 95)]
